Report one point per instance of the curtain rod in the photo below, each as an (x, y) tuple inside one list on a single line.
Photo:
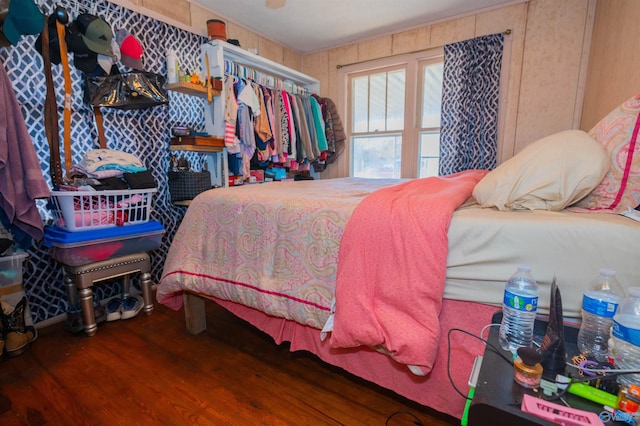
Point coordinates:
[(505, 32)]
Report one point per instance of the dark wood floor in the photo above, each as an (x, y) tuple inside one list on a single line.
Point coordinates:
[(149, 371)]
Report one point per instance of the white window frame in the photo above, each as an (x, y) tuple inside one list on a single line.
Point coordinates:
[(410, 135)]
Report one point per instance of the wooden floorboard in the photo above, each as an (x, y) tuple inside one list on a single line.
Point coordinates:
[(149, 371)]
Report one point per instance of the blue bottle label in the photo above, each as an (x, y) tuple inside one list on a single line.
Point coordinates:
[(627, 334), (521, 303), (599, 307)]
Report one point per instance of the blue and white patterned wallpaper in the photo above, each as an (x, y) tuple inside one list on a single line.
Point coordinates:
[(144, 133)]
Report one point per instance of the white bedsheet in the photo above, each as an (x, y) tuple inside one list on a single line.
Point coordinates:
[(486, 245)]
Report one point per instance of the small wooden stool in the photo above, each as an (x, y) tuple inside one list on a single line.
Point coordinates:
[(83, 277)]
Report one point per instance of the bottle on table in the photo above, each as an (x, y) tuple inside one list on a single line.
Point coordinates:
[(599, 304), (519, 307), (626, 337)]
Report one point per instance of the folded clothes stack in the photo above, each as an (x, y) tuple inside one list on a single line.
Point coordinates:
[(106, 169)]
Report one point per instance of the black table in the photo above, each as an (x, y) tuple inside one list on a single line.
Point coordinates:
[(498, 397)]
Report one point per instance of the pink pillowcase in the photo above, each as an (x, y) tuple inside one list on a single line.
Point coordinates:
[(618, 133)]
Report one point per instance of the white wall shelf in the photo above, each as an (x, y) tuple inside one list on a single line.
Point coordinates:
[(215, 52)]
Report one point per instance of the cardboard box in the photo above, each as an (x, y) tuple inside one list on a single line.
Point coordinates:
[(235, 180), (256, 176)]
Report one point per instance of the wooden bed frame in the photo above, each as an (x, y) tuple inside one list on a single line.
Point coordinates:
[(194, 313)]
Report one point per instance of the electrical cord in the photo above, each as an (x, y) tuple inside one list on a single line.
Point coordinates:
[(486, 327), (608, 373), (486, 342), (416, 420)]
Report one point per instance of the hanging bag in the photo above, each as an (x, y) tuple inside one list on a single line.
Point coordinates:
[(130, 90)]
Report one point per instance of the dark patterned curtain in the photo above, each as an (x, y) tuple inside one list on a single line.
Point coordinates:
[(470, 94)]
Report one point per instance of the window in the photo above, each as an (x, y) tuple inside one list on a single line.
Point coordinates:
[(394, 117), (430, 119), (378, 121)]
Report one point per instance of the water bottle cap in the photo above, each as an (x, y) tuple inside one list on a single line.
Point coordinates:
[(607, 272), (634, 291), (524, 268)]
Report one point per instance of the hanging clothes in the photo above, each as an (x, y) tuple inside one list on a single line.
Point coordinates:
[(334, 131), (290, 148), (231, 141), (268, 101), (304, 130), (262, 126), (248, 104), (273, 125), (282, 126), (21, 180), (319, 124)]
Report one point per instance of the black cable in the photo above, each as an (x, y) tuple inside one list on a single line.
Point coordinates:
[(496, 350), (416, 422), (486, 342)]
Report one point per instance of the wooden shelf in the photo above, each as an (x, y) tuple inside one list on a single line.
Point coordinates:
[(208, 141), (196, 148), (191, 89)]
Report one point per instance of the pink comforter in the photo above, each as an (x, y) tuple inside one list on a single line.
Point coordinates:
[(392, 268)]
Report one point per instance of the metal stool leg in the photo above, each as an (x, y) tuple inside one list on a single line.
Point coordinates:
[(86, 301), (126, 286), (83, 278), (145, 282), (72, 294)]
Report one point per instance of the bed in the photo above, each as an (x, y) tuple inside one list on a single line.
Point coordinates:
[(302, 261)]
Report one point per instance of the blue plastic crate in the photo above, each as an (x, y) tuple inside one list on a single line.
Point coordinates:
[(84, 247)]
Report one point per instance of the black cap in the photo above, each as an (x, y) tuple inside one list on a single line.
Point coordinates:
[(54, 44)]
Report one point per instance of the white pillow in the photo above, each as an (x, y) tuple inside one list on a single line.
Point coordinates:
[(549, 174)]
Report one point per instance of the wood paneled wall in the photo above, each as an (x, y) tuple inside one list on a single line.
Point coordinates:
[(569, 63), (545, 65), (614, 61), (190, 16)]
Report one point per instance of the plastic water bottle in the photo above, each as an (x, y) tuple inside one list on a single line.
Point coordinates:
[(599, 305), (172, 66), (626, 337), (519, 307)]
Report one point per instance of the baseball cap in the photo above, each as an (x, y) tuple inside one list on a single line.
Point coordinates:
[(130, 49), (86, 62), (95, 33), (54, 44), (106, 62), (23, 17), (84, 59)]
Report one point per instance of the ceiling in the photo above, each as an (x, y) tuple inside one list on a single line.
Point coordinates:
[(312, 25)]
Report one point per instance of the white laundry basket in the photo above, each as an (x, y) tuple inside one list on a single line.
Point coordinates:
[(88, 210)]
